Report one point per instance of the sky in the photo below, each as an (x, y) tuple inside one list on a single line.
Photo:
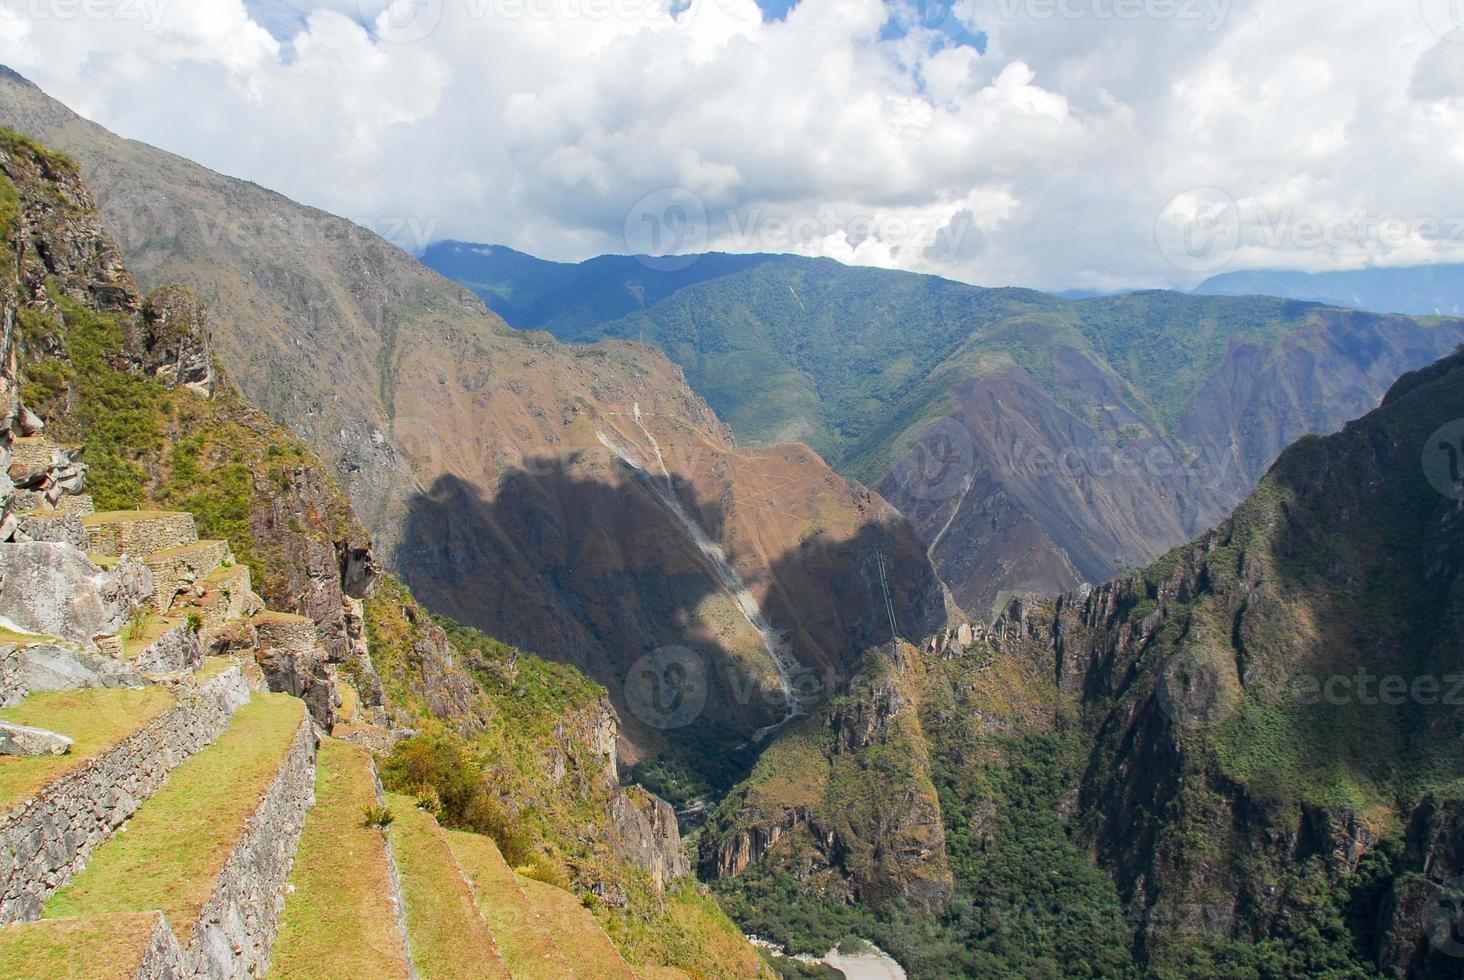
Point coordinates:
[(1083, 144)]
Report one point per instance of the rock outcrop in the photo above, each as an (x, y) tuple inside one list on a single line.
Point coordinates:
[(474, 455), (55, 590)]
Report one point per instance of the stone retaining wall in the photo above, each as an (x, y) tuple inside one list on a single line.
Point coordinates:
[(12, 687), (233, 935), (178, 568), (163, 959), (46, 839), (53, 526), (398, 900), (286, 632), (141, 535), (176, 651)]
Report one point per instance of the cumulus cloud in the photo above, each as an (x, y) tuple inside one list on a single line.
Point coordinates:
[(1037, 142)]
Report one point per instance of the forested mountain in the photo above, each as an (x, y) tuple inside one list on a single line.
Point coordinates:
[(1036, 442)]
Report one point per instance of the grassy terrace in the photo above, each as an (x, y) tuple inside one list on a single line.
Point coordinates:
[(95, 720), (125, 516), (179, 840), (589, 950), (136, 637), (339, 921), (523, 940), (213, 667), (449, 938), (109, 947)]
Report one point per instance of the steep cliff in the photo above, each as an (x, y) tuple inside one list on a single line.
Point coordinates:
[(132, 378), (580, 501), (1242, 760), (1035, 442), (1281, 688)]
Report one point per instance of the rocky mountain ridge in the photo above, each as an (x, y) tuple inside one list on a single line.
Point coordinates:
[(570, 500), (1238, 761), (1035, 442)]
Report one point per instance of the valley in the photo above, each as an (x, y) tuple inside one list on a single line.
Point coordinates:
[(1034, 442), (455, 612)]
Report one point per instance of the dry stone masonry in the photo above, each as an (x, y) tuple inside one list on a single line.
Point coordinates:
[(139, 533), (44, 840), (233, 936)]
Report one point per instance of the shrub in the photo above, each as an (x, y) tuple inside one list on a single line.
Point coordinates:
[(379, 817)]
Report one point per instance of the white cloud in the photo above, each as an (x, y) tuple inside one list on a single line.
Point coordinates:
[(1047, 160)]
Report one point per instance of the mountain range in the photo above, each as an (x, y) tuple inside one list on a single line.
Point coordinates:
[(1241, 761), (1035, 442), (1428, 290), (735, 494), (578, 501)]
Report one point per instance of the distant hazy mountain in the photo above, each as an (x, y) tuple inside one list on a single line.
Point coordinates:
[(1425, 290), (577, 501), (1036, 442)]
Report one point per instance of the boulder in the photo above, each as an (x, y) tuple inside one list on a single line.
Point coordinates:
[(51, 667), (53, 588), (23, 741)]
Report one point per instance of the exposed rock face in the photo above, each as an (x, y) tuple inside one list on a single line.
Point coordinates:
[(55, 590), (646, 835), (321, 557), (473, 453), (1341, 567), (174, 342), (51, 667), (858, 820)]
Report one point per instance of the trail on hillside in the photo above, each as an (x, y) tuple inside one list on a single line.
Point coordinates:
[(773, 641)]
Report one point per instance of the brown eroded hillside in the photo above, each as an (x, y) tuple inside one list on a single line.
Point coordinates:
[(491, 466)]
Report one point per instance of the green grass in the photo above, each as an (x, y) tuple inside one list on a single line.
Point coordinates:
[(524, 941), (142, 633), (95, 720), (576, 932), (448, 936), (176, 844), (11, 636), (109, 947), (339, 920)]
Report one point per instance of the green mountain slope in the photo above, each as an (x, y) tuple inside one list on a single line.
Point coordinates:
[(1072, 438), (1242, 761), (496, 741)]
